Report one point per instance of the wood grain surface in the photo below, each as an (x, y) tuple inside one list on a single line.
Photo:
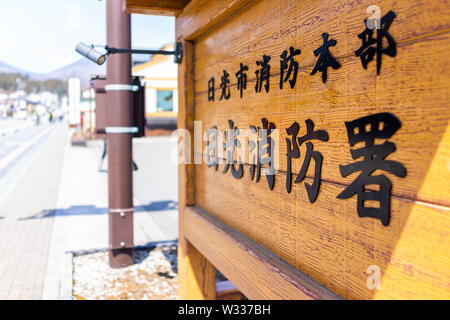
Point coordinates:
[(154, 7), (353, 93), (197, 276), (261, 274), (201, 15), (327, 240)]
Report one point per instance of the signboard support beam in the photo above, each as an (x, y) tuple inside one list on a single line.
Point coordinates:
[(197, 276)]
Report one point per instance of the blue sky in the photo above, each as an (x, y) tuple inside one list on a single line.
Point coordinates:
[(40, 35)]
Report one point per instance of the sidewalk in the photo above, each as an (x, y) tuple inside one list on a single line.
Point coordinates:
[(59, 206), (81, 221)]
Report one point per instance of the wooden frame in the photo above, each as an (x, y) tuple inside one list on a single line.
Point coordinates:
[(154, 7), (225, 290), (196, 274), (204, 241), (334, 246), (258, 273)]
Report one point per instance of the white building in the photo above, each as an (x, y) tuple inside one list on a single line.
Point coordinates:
[(45, 98), (87, 102), (74, 92), (49, 99)]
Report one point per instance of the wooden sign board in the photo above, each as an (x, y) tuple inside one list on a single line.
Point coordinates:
[(281, 245)]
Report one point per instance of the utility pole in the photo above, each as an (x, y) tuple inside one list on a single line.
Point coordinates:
[(119, 130)]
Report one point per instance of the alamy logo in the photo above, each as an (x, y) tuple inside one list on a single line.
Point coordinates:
[(374, 279)]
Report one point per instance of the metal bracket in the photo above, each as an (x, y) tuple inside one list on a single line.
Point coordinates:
[(121, 211), (121, 87), (121, 129), (178, 57), (177, 53), (121, 236)]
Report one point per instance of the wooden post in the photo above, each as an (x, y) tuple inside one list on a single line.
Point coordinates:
[(197, 276)]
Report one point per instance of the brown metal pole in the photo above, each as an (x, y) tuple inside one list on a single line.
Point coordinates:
[(119, 116)]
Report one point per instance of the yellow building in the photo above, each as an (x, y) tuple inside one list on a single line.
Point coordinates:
[(161, 91)]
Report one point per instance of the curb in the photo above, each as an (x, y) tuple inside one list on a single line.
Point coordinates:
[(66, 292)]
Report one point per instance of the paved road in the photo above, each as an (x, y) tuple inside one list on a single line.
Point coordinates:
[(9, 125), (18, 149)]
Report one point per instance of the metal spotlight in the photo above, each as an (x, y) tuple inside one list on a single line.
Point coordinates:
[(90, 53)]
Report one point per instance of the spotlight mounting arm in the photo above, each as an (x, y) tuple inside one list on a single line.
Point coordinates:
[(99, 57), (177, 53)]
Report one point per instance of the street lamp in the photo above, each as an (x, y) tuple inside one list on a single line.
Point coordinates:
[(120, 127), (99, 58)]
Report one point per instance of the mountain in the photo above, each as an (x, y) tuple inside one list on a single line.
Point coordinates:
[(82, 69), (6, 68)]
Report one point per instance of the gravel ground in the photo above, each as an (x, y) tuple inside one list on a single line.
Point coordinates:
[(153, 276)]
